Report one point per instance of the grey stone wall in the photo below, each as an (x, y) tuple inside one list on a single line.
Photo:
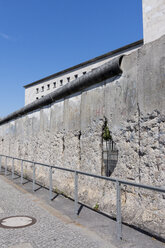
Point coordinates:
[(34, 92), (68, 133)]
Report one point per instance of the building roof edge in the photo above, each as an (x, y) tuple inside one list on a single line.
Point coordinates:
[(107, 70), (113, 52)]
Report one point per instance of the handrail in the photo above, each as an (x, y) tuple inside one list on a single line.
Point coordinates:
[(76, 173), (93, 175)]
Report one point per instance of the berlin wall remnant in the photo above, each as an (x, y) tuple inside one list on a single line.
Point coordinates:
[(107, 70), (67, 132)]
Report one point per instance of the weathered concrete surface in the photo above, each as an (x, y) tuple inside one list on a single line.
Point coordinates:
[(153, 19), (68, 133)]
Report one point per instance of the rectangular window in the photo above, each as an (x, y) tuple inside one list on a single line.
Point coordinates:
[(42, 88), (48, 86), (54, 85), (61, 82), (68, 79), (37, 90)]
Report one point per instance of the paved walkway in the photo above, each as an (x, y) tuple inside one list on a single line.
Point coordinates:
[(52, 229), (57, 225)]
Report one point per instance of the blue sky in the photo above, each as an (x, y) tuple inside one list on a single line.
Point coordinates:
[(41, 37)]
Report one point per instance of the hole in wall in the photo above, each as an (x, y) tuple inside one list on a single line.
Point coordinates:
[(109, 151)]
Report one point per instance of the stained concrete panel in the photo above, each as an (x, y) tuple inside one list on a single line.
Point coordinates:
[(45, 118), (12, 128), (72, 113), (121, 94), (19, 128), (151, 77), (92, 105), (56, 121), (36, 121)]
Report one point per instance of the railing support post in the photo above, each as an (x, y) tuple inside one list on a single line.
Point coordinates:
[(50, 183), (12, 175), (6, 167), (0, 163), (21, 171), (118, 210), (76, 193), (34, 176)]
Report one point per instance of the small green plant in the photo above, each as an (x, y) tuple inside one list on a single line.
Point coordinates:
[(106, 132), (96, 207)]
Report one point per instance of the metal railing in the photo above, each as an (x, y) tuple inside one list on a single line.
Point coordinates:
[(118, 183)]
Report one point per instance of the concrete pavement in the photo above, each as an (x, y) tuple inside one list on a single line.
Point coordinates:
[(52, 229), (57, 225)]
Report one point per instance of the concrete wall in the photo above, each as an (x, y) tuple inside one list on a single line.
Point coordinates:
[(153, 19), (68, 133), (35, 91)]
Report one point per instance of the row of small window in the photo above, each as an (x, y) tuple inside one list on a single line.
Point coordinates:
[(54, 84), (48, 87)]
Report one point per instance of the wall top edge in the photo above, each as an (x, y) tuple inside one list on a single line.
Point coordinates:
[(105, 71), (112, 53)]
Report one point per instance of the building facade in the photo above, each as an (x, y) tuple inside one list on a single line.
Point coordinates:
[(38, 89)]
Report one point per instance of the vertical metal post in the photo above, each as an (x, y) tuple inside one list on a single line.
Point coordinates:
[(34, 176), (12, 175), (6, 167), (76, 193), (50, 183), (118, 210), (0, 163), (21, 171)]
